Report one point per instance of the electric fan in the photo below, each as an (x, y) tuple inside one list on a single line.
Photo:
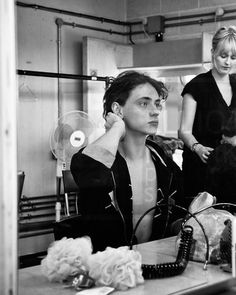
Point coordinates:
[(71, 132)]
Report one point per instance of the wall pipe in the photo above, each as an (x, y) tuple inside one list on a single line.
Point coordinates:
[(34, 208), (200, 21), (29, 216), (76, 14), (189, 16), (130, 33), (61, 75), (29, 204), (122, 23), (59, 23), (35, 198), (73, 24), (197, 15)]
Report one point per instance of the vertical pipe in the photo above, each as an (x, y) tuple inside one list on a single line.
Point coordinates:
[(59, 23)]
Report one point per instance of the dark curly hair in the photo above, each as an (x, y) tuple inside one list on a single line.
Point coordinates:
[(221, 173), (120, 88), (229, 128)]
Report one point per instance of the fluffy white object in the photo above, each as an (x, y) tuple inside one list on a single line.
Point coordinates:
[(119, 268), (66, 257)]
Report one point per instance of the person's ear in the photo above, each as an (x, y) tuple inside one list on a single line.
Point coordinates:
[(117, 109)]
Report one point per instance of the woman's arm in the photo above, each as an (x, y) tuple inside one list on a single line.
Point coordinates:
[(189, 107)]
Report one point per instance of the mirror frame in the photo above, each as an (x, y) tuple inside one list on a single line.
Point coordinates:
[(8, 150)]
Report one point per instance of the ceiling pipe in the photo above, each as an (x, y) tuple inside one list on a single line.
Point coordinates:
[(167, 19), (122, 23), (197, 15), (75, 25), (201, 21), (76, 14)]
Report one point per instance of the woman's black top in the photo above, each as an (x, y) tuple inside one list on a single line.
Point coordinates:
[(221, 174), (211, 113)]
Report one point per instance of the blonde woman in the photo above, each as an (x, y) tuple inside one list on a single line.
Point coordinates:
[(207, 102)]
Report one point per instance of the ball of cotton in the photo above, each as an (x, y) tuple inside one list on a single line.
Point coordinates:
[(119, 268), (66, 257)]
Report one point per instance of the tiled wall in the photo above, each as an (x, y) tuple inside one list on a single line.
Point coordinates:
[(136, 10)]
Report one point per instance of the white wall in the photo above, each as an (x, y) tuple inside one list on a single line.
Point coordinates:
[(37, 108), (104, 57), (37, 51)]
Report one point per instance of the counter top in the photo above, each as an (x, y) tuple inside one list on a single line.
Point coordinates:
[(32, 282)]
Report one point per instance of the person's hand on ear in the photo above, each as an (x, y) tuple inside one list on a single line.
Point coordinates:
[(115, 119), (115, 122)]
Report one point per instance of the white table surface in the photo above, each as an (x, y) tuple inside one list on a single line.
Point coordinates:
[(32, 282)]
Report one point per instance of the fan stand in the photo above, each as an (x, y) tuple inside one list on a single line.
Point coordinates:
[(60, 167), (58, 203)]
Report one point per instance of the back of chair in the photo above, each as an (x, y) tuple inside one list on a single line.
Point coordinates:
[(20, 183), (69, 184), (69, 187), (71, 225)]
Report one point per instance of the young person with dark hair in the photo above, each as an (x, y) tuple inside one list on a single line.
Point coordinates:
[(123, 174)]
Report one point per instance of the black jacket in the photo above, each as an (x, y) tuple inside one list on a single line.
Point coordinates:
[(106, 225)]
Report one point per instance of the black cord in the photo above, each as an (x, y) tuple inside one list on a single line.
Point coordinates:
[(169, 269), (203, 231), (182, 227)]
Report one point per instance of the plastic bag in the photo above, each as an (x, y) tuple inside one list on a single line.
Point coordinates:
[(213, 222)]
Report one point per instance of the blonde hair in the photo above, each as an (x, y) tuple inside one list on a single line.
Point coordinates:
[(222, 36)]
